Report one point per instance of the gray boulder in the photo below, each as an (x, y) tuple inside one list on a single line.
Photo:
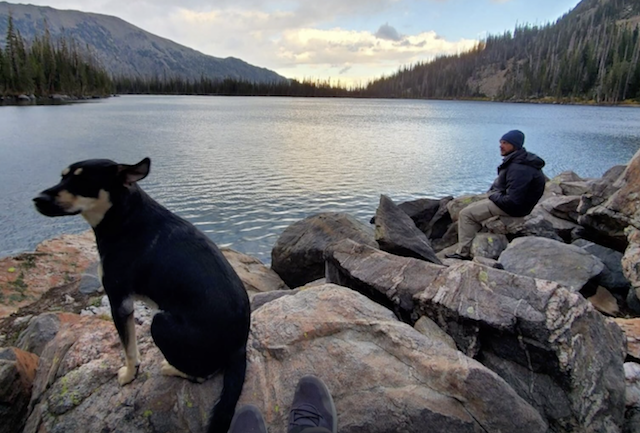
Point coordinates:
[(575, 188), (612, 276), (562, 227), (564, 207), (547, 259), (385, 278), (551, 345), (603, 188), (448, 239), (621, 209), (384, 376), (260, 299), (489, 245), (540, 223), (40, 330), (428, 327), (298, 255), (256, 277), (555, 186), (397, 234), (429, 215)]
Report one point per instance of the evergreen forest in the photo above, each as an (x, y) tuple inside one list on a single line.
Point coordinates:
[(42, 68), (590, 54)]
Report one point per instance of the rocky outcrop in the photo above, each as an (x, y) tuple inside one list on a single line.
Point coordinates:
[(536, 334), (393, 379), (519, 349), (396, 233), (550, 344), (298, 255)]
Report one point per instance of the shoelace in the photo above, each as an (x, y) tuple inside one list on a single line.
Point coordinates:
[(305, 414)]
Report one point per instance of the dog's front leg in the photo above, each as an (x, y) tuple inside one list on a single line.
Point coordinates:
[(122, 313)]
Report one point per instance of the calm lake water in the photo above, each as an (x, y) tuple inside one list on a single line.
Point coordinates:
[(243, 169)]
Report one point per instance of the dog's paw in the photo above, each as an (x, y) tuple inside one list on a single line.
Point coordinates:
[(126, 375), (169, 370)]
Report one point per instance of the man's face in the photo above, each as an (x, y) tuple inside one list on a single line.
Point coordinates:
[(506, 148)]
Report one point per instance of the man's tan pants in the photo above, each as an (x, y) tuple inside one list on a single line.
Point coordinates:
[(470, 222)]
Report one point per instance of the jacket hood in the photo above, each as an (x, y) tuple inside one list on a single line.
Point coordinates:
[(521, 156)]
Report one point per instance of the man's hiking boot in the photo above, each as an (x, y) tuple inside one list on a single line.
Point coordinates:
[(248, 419), (457, 256), (312, 408)]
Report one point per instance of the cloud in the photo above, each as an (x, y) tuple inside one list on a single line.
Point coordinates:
[(277, 40), (295, 38), (387, 32)]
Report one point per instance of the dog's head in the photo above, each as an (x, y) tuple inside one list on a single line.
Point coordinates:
[(88, 188)]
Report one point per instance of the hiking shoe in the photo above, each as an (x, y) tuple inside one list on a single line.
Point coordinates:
[(457, 256), (312, 407), (248, 419)]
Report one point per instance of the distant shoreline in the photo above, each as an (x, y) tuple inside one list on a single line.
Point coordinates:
[(59, 99), (56, 99)]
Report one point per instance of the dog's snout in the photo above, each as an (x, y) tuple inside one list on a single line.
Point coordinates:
[(42, 199), (46, 205)]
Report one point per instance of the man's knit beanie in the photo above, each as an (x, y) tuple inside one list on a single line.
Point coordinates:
[(515, 137)]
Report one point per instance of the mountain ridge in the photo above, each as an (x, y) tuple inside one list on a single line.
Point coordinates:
[(124, 49)]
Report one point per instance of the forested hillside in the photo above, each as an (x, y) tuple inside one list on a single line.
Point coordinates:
[(44, 68), (123, 49), (590, 54)]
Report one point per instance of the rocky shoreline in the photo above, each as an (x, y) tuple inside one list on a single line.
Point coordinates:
[(54, 99), (539, 333)]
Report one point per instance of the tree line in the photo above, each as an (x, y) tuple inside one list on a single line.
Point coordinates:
[(233, 87), (42, 68)]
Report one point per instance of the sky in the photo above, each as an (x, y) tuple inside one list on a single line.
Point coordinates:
[(349, 42)]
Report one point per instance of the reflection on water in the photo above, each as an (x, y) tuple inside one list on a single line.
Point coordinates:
[(243, 169)]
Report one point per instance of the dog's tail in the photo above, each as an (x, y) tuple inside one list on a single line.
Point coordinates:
[(234, 374)]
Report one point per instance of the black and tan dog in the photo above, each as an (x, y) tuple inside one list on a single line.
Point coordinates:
[(149, 253)]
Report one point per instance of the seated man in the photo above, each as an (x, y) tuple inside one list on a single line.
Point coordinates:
[(516, 190)]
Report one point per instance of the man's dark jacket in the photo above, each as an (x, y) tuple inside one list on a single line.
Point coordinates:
[(520, 183)]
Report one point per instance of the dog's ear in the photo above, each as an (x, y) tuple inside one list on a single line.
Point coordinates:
[(131, 174)]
